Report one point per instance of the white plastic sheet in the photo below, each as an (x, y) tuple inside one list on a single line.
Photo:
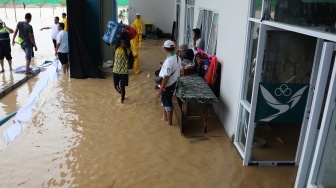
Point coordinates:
[(22, 69), (25, 113), (12, 132)]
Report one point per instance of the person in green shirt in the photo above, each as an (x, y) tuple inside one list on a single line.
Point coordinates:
[(5, 48), (120, 69)]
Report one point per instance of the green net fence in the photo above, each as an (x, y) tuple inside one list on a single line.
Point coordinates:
[(120, 2)]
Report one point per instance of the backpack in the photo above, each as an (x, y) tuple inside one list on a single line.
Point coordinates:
[(130, 60)]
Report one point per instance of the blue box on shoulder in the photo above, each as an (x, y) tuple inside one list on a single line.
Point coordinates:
[(113, 33)]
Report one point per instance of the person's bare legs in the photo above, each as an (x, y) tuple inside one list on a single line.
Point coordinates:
[(27, 67), (67, 68), (164, 118), (10, 65), (170, 118), (64, 68), (2, 66)]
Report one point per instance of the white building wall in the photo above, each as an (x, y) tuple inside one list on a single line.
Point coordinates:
[(161, 13), (232, 32)]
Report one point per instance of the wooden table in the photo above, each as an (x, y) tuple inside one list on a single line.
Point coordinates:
[(193, 100)]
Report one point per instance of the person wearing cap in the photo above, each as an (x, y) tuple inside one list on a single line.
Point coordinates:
[(54, 31), (120, 70), (62, 47), (170, 72), (198, 41), (137, 25), (5, 48), (28, 40)]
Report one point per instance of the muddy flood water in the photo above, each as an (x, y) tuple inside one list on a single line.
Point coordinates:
[(80, 134)]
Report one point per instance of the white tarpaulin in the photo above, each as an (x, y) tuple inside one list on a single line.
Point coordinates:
[(25, 113)]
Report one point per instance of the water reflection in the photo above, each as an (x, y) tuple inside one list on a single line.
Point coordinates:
[(313, 14)]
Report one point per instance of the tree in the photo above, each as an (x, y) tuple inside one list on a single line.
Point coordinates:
[(53, 6), (5, 2), (13, 2), (122, 14), (41, 4), (63, 3)]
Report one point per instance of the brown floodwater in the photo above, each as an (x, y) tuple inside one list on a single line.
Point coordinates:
[(80, 134)]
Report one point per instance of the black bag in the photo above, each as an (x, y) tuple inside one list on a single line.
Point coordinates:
[(158, 80), (130, 60)]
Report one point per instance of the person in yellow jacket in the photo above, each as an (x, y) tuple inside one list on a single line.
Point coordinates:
[(136, 64), (137, 25)]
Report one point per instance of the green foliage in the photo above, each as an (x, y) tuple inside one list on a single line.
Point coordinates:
[(62, 2), (122, 2), (122, 14), (36, 2), (42, 3)]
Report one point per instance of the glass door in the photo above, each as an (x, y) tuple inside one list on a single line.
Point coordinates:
[(282, 97), (245, 102), (323, 170), (321, 110), (277, 101)]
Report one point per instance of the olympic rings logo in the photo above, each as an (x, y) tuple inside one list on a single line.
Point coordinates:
[(283, 90)]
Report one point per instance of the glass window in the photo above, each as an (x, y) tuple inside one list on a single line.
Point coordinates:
[(329, 172), (177, 30), (314, 14), (288, 58), (254, 34), (243, 126), (213, 35), (208, 29), (188, 33), (256, 9), (328, 167), (190, 2), (200, 19)]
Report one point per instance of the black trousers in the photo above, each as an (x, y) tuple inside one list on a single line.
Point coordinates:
[(120, 81)]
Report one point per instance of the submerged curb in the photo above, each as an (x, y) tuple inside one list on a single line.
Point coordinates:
[(4, 92)]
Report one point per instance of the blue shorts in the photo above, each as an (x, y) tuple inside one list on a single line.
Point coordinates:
[(28, 49), (167, 100)]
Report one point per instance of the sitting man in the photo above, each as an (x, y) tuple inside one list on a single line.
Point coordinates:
[(182, 51), (188, 58)]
